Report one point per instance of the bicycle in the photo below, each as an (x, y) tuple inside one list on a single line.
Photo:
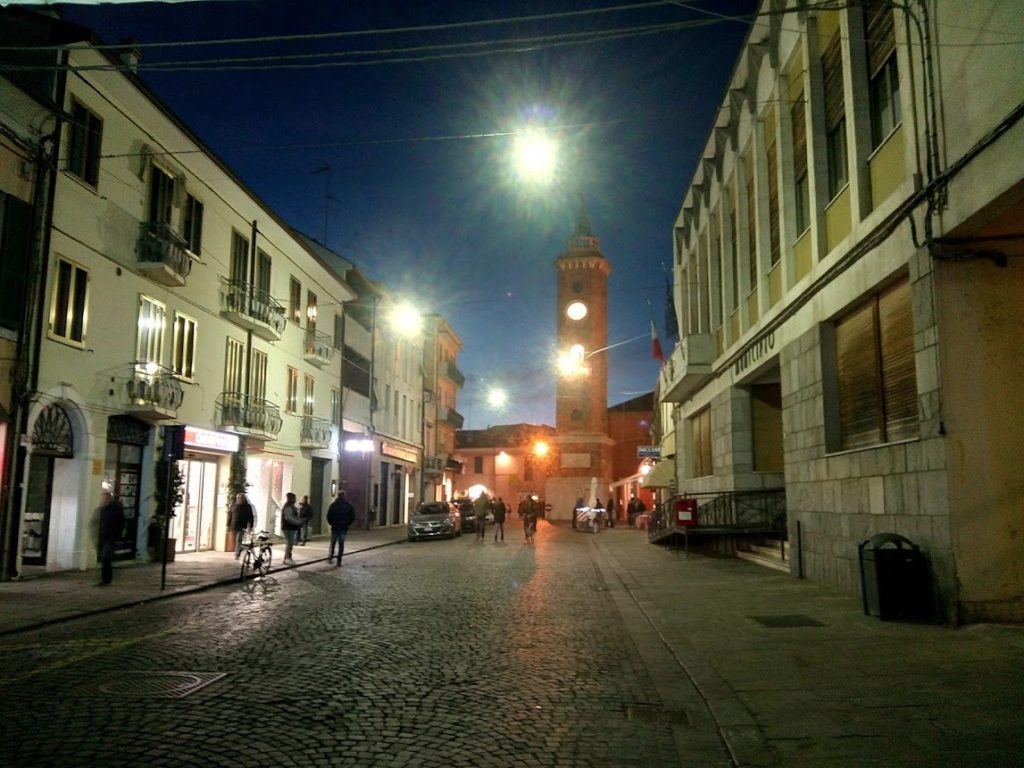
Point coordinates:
[(258, 554), (529, 529)]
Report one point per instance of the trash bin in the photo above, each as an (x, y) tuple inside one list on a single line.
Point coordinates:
[(894, 578)]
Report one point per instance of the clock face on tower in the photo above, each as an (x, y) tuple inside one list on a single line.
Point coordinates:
[(576, 310)]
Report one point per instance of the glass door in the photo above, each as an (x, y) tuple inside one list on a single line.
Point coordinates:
[(194, 517)]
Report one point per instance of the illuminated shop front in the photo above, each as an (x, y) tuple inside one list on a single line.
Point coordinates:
[(200, 520)]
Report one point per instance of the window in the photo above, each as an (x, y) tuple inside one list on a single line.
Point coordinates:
[(15, 252), (775, 251), (356, 372), (183, 361), (751, 231), (307, 401), (876, 385), (161, 198), (262, 279), (478, 464), (239, 258), (294, 301), (258, 377), (310, 310), (734, 257), (192, 225), (701, 427), (339, 332), (234, 367), (884, 85), (70, 293), (802, 190), (84, 144), (291, 403), (835, 116), (149, 342), (335, 406)]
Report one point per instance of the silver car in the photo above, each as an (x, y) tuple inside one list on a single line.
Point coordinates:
[(434, 520)]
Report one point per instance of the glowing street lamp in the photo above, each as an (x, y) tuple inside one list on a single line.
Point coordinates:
[(535, 156), (570, 362), (405, 319), (497, 397)]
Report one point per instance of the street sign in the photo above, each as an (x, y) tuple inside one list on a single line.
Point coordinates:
[(648, 451)]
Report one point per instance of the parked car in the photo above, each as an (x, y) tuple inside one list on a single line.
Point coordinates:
[(468, 513), (434, 520)]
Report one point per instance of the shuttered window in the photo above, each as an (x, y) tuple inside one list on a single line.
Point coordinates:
[(773, 205), (751, 232), (884, 85), (800, 181), (876, 380), (701, 426), (835, 115)]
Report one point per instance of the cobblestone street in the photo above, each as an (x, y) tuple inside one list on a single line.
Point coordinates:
[(429, 654)]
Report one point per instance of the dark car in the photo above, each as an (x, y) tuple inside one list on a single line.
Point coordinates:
[(434, 520), (468, 512)]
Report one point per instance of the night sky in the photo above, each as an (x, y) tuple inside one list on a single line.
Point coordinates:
[(421, 192)]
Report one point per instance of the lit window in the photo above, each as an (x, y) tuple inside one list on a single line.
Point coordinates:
[(184, 356), (68, 310), (149, 344)]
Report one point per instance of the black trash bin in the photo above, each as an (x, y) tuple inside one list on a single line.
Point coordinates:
[(894, 578)]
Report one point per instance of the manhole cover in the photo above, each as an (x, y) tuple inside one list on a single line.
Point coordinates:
[(787, 620), (168, 685)]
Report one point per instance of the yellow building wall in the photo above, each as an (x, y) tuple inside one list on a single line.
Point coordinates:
[(803, 255), (888, 167), (837, 220)]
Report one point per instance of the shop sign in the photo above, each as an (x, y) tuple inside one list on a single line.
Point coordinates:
[(207, 439), (359, 445), (396, 451), (648, 451)]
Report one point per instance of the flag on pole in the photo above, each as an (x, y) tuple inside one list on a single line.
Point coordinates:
[(655, 344)]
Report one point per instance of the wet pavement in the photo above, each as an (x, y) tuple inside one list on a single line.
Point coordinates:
[(582, 650)]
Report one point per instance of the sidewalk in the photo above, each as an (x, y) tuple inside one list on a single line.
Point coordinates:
[(53, 597)]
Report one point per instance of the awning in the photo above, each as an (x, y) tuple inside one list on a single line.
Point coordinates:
[(662, 476)]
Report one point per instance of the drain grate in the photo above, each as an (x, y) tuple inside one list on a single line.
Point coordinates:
[(167, 685), (787, 620), (655, 713)]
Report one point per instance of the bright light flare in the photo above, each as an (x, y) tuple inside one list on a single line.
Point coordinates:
[(497, 398), (535, 155), (406, 319), (541, 448), (570, 362)]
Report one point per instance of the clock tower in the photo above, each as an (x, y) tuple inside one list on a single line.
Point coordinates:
[(581, 407)]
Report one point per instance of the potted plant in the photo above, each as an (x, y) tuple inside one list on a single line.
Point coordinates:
[(168, 485), (236, 485)]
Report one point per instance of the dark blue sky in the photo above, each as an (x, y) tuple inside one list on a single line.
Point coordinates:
[(422, 202)]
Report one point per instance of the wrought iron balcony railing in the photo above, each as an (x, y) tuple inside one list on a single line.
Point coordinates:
[(247, 415), (163, 254), (152, 393), (316, 432), (319, 348), (453, 418), (432, 465), (453, 373), (252, 308)]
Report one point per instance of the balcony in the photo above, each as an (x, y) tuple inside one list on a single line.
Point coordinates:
[(319, 350), (152, 394), (316, 433), (453, 373), (163, 254), (453, 465), (687, 368), (248, 416), (251, 308), (431, 466), (449, 416)]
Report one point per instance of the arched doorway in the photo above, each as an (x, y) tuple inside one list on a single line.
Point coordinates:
[(52, 444)]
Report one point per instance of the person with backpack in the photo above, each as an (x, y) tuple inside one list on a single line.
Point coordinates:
[(340, 516), (499, 512)]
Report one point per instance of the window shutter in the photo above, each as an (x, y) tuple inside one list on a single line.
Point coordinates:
[(773, 205), (881, 33), (799, 138), (899, 379), (858, 369), (832, 71)]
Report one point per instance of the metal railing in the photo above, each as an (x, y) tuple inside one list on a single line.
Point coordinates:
[(158, 391), (762, 509), (159, 243), (453, 373), (237, 297), (251, 415), (315, 433), (319, 346)]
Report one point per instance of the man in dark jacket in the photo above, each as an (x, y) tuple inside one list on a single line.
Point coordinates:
[(111, 515), (340, 515), (242, 519)]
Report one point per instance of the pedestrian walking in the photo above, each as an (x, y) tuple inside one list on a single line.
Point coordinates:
[(482, 507), (610, 513), (291, 523), (111, 517), (634, 509), (500, 511), (529, 514), (306, 514), (243, 518), (340, 516)]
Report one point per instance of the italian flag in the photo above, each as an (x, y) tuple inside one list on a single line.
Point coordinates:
[(655, 344)]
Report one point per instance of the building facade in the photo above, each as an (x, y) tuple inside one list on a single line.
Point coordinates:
[(170, 294), (511, 461), (847, 281), (441, 419)]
